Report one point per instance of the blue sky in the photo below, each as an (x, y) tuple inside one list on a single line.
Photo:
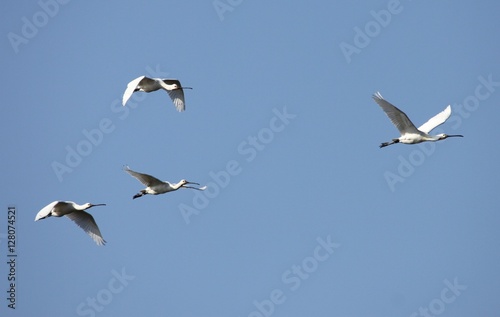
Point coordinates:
[(305, 215)]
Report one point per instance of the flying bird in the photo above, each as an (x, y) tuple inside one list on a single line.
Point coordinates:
[(409, 133), (76, 213), (156, 186), (172, 86)]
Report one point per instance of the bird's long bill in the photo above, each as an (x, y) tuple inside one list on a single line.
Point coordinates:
[(455, 135), (93, 205), (201, 188)]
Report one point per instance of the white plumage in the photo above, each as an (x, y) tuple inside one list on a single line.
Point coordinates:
[(409, 133), (76, 213), (156, 186), (172, 86)]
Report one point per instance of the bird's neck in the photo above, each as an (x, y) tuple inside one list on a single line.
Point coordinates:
[(176, 186), (170, 186), (166, 86), (80, 207), (432, 138)]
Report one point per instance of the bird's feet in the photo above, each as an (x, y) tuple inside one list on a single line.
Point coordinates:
[(389, 143)]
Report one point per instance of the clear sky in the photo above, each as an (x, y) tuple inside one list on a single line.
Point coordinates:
[(305, 215)]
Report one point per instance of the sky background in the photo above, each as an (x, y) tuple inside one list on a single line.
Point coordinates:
[(414, 228)]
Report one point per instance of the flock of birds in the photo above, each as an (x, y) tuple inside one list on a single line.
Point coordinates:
[(154, 186), (410, 134)]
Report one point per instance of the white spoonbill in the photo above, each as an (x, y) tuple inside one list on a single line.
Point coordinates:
[(156, 186), (76, 213), (409, 133), (146, 84)]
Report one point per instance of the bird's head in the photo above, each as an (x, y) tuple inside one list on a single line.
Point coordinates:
[(180, 87), (185, 182), (443, 136), (89, 205)]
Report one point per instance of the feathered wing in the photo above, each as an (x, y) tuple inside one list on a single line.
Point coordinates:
[(435, 121), (146, 179), (177, 95), (45, 211), (397, 117), (85, 221), (130, 89)]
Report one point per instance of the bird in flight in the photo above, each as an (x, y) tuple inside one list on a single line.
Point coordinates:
[(156, 186), (172, 86), (76, 213), (409, 133)]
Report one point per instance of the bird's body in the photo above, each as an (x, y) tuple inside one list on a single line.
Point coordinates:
[(409, 133), (156, 186), (77, 214), (172, 86)]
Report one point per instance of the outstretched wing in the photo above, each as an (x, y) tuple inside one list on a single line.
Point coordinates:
[(130, 89), (45, 211), (177, 95), (398, 117), (146, 179), (85, 221), (435, 121)]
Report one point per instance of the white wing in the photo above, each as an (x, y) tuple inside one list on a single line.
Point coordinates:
[(435, 121), (130, 89), (146, 179), (177, 95), (85, 221), (398, 117), (45, 211)]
